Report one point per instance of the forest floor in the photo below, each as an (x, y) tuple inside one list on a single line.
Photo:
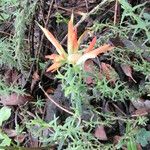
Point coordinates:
[(74, 74)]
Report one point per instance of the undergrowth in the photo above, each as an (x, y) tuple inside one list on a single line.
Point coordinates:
[(76, 131)]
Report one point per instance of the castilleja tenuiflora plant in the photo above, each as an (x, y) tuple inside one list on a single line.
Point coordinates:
[(73, 55)]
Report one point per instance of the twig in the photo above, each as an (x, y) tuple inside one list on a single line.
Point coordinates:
[(87, 7), (46, 24), (2, 32), (62, 108), (84, 17), (115, 14), (69, 10)]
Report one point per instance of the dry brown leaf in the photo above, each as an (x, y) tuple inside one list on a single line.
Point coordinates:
[(14, 99), (10, 132), (100, 133), (140, 103), (35, 78), (89, 68), (109, 72), (141, 112), (20, 138), (11, 76), (128, 71)]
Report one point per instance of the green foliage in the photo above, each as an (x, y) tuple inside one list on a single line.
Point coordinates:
[(73, 86), (6, 90), (60, 18), (39, 103), (143, 137), (13, 50), (68, 136), (23, 17), (139, 24), (4, 140), (119, 92), (74, 132), (6, 53), (5, 113), (6, 11)]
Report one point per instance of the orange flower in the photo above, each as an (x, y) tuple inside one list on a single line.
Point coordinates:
[(73, 55)]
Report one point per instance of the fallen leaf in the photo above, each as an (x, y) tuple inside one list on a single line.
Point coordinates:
[(128, 71), (20, 138), (14, 99), (89, 68), (10, 132), (35, 79), (141, 112), (11, 76), (109, 72), (100, 133), (116, 139), (147, 104), (138, 104)]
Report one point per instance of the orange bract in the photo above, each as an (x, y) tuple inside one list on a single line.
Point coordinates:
[(73, 56)]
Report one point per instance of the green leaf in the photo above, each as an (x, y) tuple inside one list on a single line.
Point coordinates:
[(4, 140), (146, 16), (143, 137), (5, 113)]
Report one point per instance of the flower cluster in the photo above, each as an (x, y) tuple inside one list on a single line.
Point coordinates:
[(73, 55)]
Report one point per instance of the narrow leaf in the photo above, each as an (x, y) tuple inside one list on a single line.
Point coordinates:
[(55, 57), (54, 67), (91, 46), (127, 70), (52, 39), (52, 56), (94, 53), (70, 35), (75, 42)]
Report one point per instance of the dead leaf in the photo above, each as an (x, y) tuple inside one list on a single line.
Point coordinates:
[(10, 132), (116, 139), (109, 72), (20, 138), (11, 76), (138, 104), (35, 79), (100, 133), (89, 68), (128, 71), (147, 104), (14, 99), (141, 112)]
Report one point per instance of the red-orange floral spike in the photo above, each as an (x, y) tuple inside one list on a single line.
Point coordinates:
[(73, 56), (54, 67), (70, 35), (75, 41), (52, 39), (91, 46), (94, 53)]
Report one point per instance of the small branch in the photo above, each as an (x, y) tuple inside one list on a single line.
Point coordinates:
[(86, 15), (45, 25), (115, 14), (2, 32), (62, 108)]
